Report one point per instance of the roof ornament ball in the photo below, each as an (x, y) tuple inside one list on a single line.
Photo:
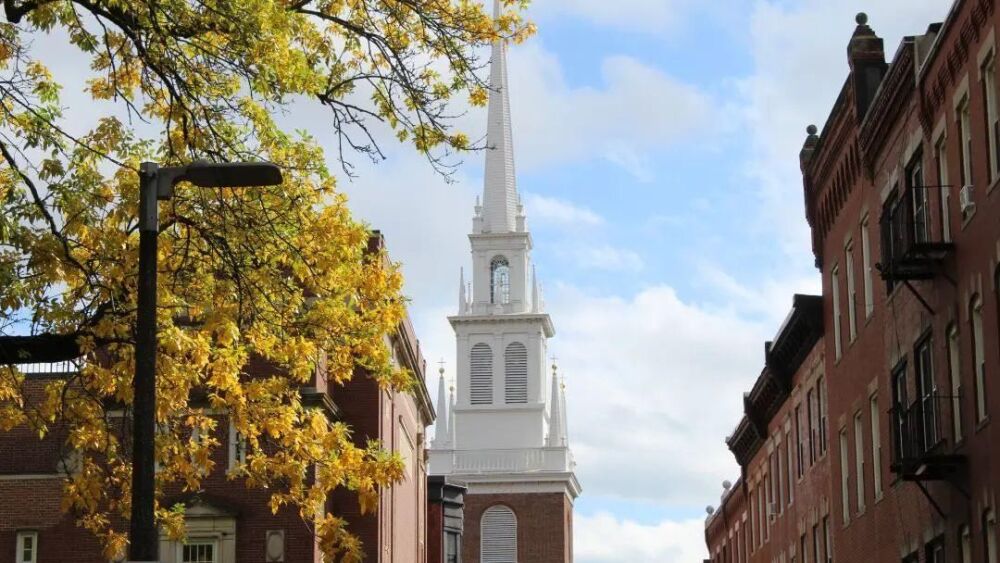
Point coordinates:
[(709, 510), (861, 18), (811, 130), (726, 485)]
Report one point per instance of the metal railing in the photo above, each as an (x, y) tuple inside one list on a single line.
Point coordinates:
[(917, 429), (911, 237)]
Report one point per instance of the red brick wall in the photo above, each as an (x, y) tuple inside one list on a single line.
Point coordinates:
[(544, 524)]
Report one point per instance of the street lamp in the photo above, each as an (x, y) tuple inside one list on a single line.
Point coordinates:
[(155, 184)]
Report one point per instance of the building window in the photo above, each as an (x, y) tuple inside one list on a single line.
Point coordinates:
[(990, 536), (827, 546), (912, 558), (821, 409), (451, 544), (27, 547), (237, 447), (199, 551), (965, 139), (499, 281), (845, 495), (900, 404), (815, 538), (835, 292), (852, 294), (921, 203), (789, 448), (761, 512), (802, 549), (780, 465), (800, 441), (811, 419), (481, 375), (964, 544), (927, 388), (859, 461), (978, 356), (992, 116), (498, 532), (941, 159), (876, 446), (866, 259), (955, 377), (516, 374), (934, 551)]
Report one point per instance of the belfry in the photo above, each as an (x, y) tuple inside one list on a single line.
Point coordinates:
[(502, 431)]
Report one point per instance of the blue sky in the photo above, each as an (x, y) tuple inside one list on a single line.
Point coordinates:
[(656, 144)]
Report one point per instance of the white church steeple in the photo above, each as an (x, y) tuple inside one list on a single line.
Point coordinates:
[(500, 201), (503, 429)]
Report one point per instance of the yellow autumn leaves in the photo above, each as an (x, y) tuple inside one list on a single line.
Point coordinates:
[(260, 290)]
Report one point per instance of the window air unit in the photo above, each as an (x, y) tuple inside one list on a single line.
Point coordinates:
[(965, 199)]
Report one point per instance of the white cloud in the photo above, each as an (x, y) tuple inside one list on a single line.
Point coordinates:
[(607, 257), (560, 212), (800, 63), (654, 385), (605, 538), (636, 110)]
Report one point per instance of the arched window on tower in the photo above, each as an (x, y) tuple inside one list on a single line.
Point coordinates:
[(481, 375), (499, 281), (498, 533), (515, 374)]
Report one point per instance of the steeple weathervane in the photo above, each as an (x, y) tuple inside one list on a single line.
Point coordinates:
[(500, 201)]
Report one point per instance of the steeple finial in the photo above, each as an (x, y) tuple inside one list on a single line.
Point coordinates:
[(500, 186), (557, 428), (442, 437)]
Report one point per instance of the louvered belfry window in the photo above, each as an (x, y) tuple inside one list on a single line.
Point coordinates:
[(499, 535), (516, 373), (481, 375)]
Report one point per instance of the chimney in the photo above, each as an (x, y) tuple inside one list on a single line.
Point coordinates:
[(866, 56)]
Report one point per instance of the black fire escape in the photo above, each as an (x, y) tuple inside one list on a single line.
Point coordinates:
[(920, 452), (913, 245)]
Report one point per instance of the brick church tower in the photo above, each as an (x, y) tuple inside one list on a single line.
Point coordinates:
[(504, 433)]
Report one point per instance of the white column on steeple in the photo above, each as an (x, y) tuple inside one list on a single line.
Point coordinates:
[(451, 421), (536, 303), (500, 188), (557, 429), (442, 436), (463, 301)]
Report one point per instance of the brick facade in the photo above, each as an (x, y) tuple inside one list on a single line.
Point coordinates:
[(911, 297), (31, 487), (544, 525)]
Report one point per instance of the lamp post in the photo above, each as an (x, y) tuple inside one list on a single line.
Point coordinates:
[(156, 184)]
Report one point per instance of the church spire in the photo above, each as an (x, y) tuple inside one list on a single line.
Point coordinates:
[(557, 422), (500, 201), (442, 430), (463, 300)]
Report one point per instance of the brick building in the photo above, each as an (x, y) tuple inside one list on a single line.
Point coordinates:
[(901, 196), (780, 506), (226, 521)]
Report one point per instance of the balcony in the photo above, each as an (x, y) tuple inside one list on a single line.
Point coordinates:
[(913, 242), (920, 452)]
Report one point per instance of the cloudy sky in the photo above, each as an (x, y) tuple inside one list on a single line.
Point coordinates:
[(657, 149), (656, 144)]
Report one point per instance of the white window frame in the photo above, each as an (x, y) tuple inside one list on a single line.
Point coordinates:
[(866, 257), (965, 138), (965, 544), (845, 495), (990, 536), (989, 76), (859, 461), (789, 465), (852, 293), (835, 291), (941, 156), (978, 356), (19, 547), (876, 446), (199, 541), (955, 377), (237, 447)]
